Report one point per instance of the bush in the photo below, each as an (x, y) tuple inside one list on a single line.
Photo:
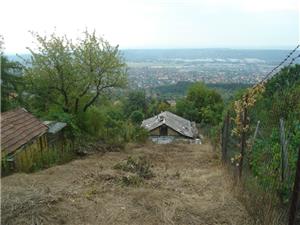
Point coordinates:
[(137, 117), (140, 166), (140, 135), (131, 180)]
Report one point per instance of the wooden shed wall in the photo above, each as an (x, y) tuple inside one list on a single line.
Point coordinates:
[(30, 154), (171, 132)]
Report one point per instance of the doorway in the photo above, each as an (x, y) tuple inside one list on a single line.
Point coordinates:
[(163, 130)]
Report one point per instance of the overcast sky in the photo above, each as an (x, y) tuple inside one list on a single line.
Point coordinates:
[(156, 23)]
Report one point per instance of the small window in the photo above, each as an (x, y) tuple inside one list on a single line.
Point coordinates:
[(163, 130)]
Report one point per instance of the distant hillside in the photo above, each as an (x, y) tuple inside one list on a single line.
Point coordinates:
[(270, 56)]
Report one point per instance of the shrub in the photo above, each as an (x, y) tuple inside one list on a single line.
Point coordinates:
[(140, 135), (131, 180), (141, 166), (136, 117)]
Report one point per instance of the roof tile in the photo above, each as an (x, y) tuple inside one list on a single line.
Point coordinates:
[(18, 127)]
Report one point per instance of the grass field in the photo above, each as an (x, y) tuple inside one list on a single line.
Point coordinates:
[(189, 187)]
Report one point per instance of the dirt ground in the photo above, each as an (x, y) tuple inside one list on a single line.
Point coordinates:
[(189, 188)]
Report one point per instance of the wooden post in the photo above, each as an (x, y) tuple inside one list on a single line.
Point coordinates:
[(225, 132), (284, 156), (295, 195), (243, 137), (255, 133), (253, 141)]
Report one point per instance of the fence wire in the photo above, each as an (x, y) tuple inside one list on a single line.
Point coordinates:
[(267, 147)]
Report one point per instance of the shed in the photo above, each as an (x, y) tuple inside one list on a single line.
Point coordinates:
[(18, 129), (23, 137), (55, 134), (167, 124)]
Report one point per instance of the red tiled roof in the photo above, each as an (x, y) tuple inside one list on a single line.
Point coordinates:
[(19, 127)]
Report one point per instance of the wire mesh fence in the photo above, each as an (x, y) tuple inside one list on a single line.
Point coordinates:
[(261, 135)]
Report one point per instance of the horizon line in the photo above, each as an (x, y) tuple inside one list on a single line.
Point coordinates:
[(282, 48)]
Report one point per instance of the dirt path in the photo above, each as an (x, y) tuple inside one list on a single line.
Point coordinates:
[(189, 188)]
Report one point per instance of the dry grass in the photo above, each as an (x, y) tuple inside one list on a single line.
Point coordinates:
[(188, 187), (262, 206)]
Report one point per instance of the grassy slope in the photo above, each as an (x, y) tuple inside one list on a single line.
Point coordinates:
[(188, 188)]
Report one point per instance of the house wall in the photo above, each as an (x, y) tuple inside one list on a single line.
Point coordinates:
[(171, 132), (37, 154), (155, 132), (56, 140)]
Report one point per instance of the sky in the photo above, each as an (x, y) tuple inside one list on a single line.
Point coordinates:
[(135, 24)]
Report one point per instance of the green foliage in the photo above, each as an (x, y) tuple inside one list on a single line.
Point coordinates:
[(107, 123), (202, 105), (137, 117), (71, 75), (140, 135), (280, 100), (163, 106), (265, 162), (136, 101), (187, 110), (180, 89), (11, 84)]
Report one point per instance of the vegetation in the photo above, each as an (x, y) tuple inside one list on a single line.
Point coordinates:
[(202, 105), (180, 89), (273, 112), (80, 83), (281, 100), (11, 83), (140, 167), (72, 76)]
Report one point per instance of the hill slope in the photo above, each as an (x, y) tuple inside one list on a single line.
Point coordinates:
[(189, 187)]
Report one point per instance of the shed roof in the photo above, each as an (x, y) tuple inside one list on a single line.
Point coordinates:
[(54, 126), (18, 127), (177, 123)]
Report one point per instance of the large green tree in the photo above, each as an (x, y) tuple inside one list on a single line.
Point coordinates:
[(72, 75), (136, 101), (202, 104)]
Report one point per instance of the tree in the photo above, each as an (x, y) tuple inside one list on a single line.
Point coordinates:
[(11, 83), (71, 75), (137, 117), (202, 104), (187, 110), (136, 101)]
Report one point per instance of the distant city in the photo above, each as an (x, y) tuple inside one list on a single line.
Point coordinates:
[(152, 68), (149, 68)]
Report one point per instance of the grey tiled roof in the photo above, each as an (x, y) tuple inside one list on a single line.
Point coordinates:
[(54, 126), (177, 123)]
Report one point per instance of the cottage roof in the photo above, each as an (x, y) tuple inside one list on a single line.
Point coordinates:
[(18, 127), (177, 123)]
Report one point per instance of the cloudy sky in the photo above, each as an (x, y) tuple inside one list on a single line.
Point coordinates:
[(156, 23)]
